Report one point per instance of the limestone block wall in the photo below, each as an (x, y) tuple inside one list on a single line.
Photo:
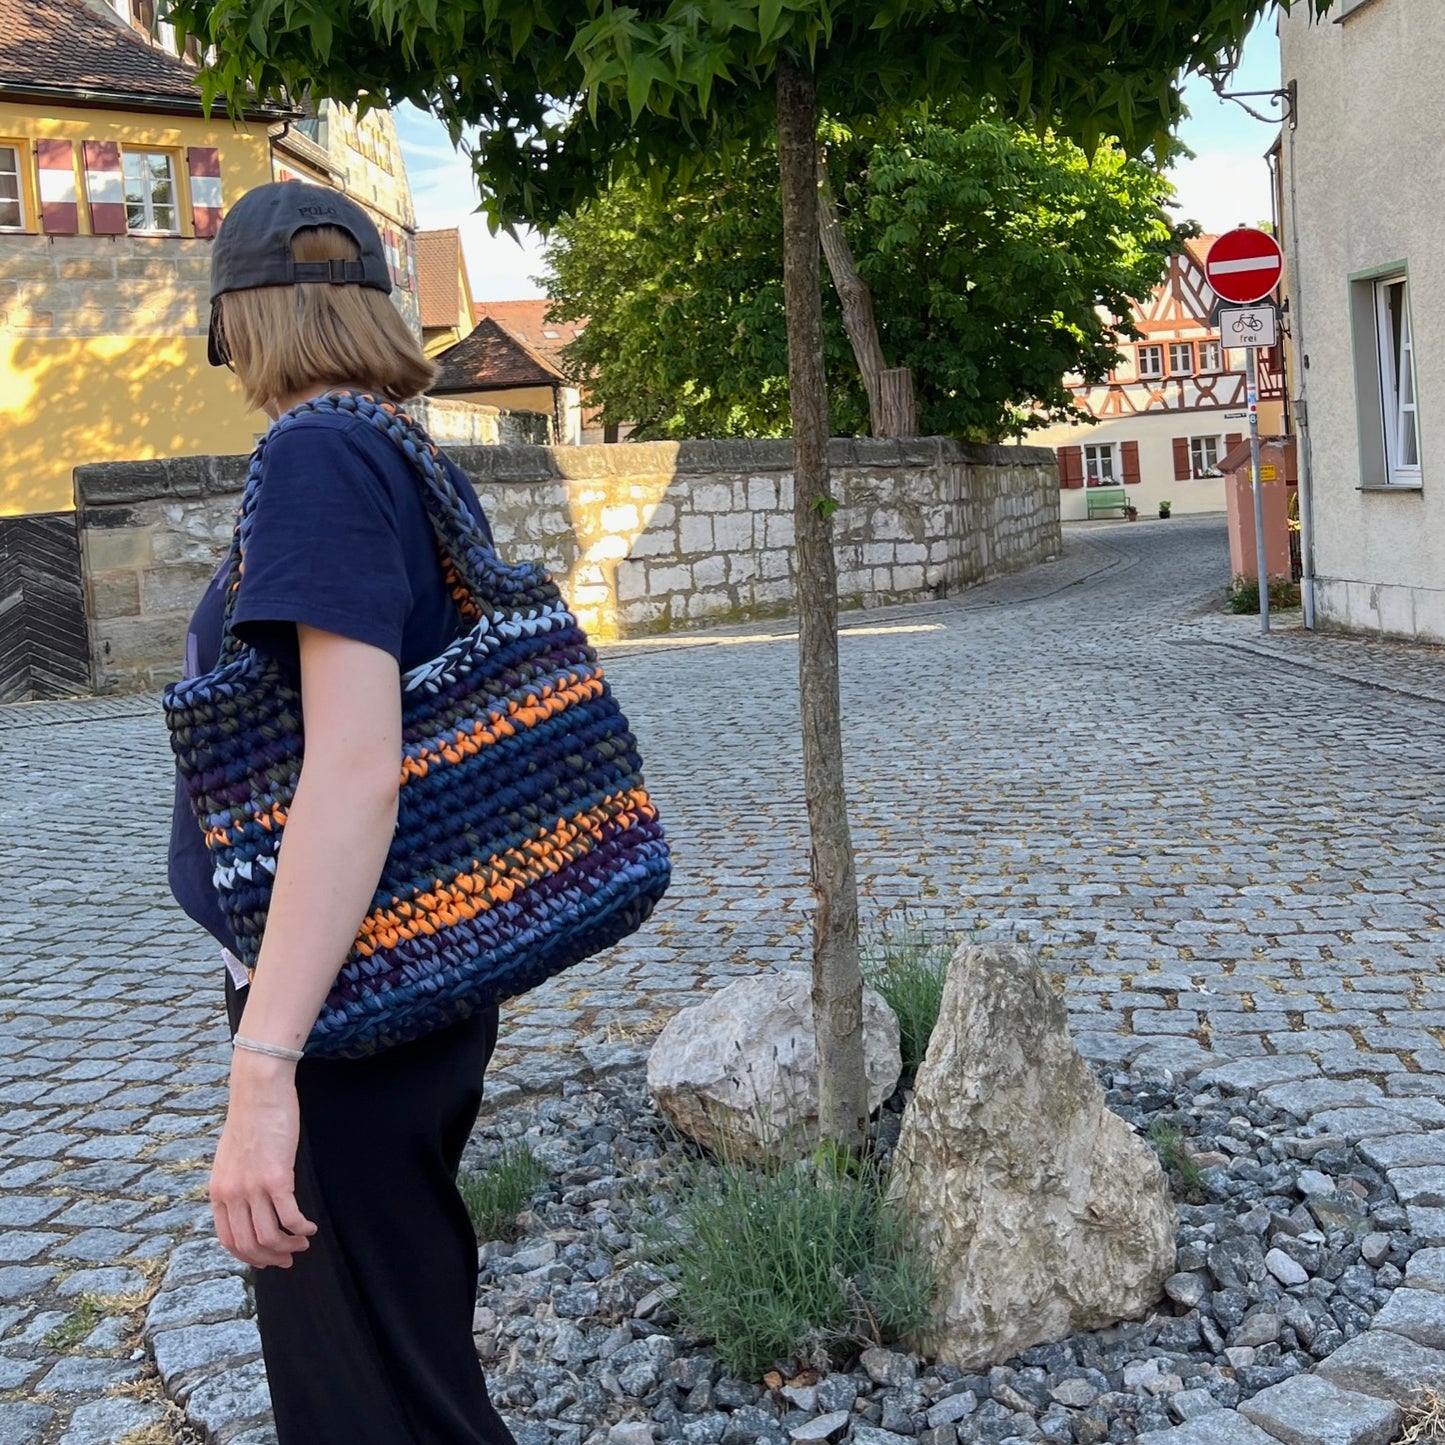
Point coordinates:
[(457, 424), (643, 538)]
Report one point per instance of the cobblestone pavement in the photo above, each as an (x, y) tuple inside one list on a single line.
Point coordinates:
[(1229, 846)]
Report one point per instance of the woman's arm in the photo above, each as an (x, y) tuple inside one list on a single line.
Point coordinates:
[(337, 835)]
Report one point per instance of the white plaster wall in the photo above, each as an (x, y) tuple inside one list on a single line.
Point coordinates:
[(1362, 191), (1155, 434)]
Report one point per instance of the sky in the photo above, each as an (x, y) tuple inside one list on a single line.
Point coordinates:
[(1225, 184)]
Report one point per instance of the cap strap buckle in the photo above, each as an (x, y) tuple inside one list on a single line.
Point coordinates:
[(334, 273)]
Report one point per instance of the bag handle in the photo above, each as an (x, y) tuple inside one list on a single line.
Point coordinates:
[(477, 568)]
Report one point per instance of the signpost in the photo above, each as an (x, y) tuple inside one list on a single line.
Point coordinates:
[(1244, 266)]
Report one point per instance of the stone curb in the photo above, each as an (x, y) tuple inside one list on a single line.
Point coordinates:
[(1324, 668), (201, 1334)]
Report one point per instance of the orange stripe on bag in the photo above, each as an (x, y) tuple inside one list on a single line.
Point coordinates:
[(509, 872)]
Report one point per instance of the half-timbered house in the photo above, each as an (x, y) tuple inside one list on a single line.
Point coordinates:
[(1169, 411)]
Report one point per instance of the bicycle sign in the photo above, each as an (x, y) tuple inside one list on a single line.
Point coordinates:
[(1249, 326)]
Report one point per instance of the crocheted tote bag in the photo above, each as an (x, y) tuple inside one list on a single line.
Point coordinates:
[(525, 840)]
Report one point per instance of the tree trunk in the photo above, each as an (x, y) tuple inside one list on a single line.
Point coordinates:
[(891, 412), (837, 976)]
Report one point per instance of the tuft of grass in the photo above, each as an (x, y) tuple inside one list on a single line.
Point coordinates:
[(497, 1194), (1425, 1420), (87, 1314), (910, 969), (1243, 594), (803, 1262), (1168, 1142)]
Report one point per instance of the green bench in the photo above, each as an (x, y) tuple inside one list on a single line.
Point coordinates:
[(1106, 499)]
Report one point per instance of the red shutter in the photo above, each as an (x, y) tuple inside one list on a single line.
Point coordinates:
[(1182, 469), (1071, 467), (204, 165), (59, 207), (1130, 452), (104, 188), (1233, 440)]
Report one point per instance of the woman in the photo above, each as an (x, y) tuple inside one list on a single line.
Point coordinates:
[(336, 1179)]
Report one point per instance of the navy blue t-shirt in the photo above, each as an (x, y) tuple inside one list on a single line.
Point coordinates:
[(341, 542)]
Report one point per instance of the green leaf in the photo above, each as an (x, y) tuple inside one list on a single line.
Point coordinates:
[(260, 40)]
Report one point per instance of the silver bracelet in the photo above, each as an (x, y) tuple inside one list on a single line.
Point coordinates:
[(272, 1051)]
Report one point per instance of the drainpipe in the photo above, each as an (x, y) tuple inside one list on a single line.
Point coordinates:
[(1300, 407)]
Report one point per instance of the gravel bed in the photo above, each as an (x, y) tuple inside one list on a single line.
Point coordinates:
[(1287, 1248)]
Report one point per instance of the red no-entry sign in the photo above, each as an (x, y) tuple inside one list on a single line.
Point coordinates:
[(1244, 266)]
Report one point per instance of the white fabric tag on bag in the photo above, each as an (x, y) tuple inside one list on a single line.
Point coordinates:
[(236, 969)]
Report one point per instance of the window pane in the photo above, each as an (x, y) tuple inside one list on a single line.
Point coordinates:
[(134, 166), (160, 167), (1099, 463), (165, 218), (10, 213), (1397, 381), (9, 187), (135, 215)]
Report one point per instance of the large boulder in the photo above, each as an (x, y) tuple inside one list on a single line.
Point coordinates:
[(1044, 1212), (739, 1072)]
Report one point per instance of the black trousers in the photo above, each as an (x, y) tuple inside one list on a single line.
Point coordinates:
[(368, 1336)]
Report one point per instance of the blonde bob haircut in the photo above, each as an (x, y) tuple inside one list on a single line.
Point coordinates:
[(283, 339)]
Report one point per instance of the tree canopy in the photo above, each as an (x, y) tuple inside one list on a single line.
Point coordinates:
[(563, 89), (989, 249)]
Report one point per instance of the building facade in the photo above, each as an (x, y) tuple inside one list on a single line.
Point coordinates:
[(528, 321), (1168, 413), (113, 181), (1361, 207), (445, 289)]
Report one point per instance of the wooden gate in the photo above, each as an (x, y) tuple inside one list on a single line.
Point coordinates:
[(43, 647)]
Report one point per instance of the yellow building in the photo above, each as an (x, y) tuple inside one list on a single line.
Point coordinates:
[(111, 182)]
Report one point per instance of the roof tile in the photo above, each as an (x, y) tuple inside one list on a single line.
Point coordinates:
[(527, 320), (64, 46), (491, 358), (438, 268)]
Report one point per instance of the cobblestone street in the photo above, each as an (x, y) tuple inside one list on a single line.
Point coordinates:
[(1230, 847)]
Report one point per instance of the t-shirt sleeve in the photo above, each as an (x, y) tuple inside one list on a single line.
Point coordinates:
[(325, 548)]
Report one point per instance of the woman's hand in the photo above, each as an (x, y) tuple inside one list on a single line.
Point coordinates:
[(253, 1181), (339, 827)]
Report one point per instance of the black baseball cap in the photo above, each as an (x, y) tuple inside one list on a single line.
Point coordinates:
[(253, 246)]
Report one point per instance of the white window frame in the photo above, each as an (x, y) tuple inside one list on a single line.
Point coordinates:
[(1196, 469), (148, 200), (1181, 346), (1399, 384), (1158, 349), (1106, 454), (1214, 352), (18, 152)]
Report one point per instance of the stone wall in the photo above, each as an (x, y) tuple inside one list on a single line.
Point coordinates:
[(104, 285), (644, 538), (456, 424)]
